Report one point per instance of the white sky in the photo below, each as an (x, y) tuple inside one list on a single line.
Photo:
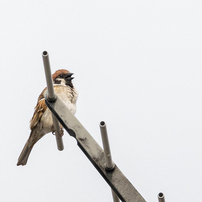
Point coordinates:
[(138, 67)]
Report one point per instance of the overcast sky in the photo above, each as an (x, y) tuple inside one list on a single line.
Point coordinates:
[(137, 66)]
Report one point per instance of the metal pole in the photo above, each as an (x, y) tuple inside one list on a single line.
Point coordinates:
[(49, 81), (103, 129), (115, 197), (108, 159), (161, 197), (52, 97)]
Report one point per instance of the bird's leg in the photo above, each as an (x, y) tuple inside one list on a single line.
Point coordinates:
[(61, 131), (52, 129)]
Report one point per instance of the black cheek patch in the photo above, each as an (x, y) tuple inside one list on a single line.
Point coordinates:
[(69, 83), (57, 81)]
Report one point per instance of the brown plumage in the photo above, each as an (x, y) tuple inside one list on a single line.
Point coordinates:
[(41, 122), (39, 110), (58, 72)]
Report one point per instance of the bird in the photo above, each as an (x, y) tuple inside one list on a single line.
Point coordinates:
[(41, 122)]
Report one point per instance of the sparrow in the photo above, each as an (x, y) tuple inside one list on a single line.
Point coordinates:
[(41, 122)]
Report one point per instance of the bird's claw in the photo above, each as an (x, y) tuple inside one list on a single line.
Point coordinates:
[(61, 132)]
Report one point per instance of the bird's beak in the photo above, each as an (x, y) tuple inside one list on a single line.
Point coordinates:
[(68, 76)]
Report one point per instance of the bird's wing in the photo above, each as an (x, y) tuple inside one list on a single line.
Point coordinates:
[(39, 110)]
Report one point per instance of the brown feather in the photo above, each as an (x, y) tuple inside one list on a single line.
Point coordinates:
[(58, 72), (39, 110), (22, 160), (33, 138), (41, 96)]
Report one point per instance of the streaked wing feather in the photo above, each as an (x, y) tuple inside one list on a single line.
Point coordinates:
[(39, 110)]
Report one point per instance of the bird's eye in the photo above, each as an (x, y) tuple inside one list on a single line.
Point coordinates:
[(60, 75)]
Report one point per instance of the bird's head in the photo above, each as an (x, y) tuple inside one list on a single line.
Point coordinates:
[(63, 77)]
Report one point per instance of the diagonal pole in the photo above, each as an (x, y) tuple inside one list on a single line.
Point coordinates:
[(115, 178)]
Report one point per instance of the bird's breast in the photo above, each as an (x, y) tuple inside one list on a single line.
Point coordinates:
[(68, 96)]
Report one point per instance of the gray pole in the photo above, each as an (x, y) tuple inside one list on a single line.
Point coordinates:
[(105, 141), (52, 97), (49, 81), (108, 158), (115, 197), (161, 197)]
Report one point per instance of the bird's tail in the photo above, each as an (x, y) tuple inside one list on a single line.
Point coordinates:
[(22, 160), (35, 135)]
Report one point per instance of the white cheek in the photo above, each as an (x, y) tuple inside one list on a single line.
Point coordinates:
[(62, 82)]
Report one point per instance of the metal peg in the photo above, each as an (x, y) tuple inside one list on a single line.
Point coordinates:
[(49, 81), (161, 197), (103, 129), (108, 158), (115, 197), (52, 97)]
